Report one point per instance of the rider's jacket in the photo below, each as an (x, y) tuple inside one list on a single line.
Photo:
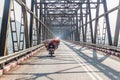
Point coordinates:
[(51, 46)]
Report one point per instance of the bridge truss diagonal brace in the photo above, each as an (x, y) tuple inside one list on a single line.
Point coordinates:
[(20, 2)]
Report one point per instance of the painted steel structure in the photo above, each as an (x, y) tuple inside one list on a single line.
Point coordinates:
[(69, 19)]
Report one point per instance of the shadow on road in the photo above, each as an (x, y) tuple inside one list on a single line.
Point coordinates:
[(109, 72)]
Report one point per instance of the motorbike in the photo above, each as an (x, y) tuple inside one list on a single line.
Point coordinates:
[(51, 51)]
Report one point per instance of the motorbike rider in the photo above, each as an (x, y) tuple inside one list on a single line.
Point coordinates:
[(51, 46)]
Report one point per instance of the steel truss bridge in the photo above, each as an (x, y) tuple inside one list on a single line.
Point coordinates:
[(87, 23)]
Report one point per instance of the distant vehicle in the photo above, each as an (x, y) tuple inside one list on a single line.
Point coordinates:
[(51, 48), (51, 45)]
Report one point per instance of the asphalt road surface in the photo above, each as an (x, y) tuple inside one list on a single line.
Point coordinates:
[(70, 62)]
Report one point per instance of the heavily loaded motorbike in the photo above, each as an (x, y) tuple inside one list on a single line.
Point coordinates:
[(51, 45), (51, 48)]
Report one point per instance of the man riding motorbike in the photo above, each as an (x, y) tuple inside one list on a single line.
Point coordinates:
[(51, 48)]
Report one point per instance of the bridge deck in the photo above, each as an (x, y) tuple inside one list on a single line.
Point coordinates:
[(71, 62)]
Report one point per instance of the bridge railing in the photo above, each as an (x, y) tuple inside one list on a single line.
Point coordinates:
[(17, 55), (112, 50)]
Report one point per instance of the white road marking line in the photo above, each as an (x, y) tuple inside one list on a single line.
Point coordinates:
[(98, 77), (93, 78), (87, 68), (78, 59)]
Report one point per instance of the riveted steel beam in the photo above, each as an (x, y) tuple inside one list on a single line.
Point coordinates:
[(37, 27), (117, 29), (107, 23), (31, 21), (25, 21), (4, 28), (96, 21), (90, 19)]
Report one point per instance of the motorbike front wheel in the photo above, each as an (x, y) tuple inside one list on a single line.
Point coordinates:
[(51, 52)]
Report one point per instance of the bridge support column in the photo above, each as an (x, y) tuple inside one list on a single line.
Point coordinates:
[(37, 26), (107, 22), (27, 41), (96, 20), (4, 28), (86, 19), (31, 22), (117, 29), (81, 23), (90, 19), (77, 31), (40, 17)]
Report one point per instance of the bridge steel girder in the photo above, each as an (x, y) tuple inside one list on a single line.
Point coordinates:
[(71, 29), (29, 11), (87, 14), (42, 18), (117, 29), (77, 3), (81, 23), (25, 21), (86, 19), (28, 33), (4, 28), (107, 22), (90, 19), (40, 25), (45, 22), (77, 31), (74, 29), (31, 22), (96, 21), (37, 26)]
